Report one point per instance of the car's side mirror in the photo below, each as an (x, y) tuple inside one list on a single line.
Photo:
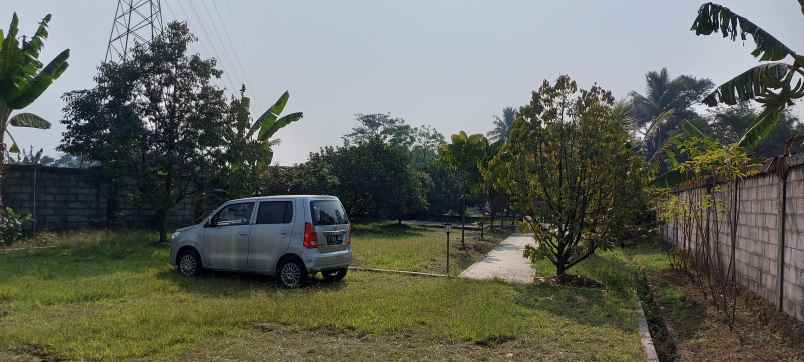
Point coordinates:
[(209, 224)]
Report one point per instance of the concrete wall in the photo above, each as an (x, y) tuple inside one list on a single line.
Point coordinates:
[(67, 199), (760, 243)]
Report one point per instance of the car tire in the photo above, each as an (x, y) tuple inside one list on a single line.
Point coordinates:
[(188, 263), (334, 275), (291, 274)]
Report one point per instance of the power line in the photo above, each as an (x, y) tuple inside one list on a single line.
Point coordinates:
[(237, 67), (213, 42), (229, 39), (210, 45)]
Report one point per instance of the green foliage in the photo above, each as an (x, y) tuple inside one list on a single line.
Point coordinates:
[(12, 226), (553, 169), (22, 77), (385, 168), (464, 156), (153, 122), (29, 120), (775, 85), (269, 123), (732, 125)]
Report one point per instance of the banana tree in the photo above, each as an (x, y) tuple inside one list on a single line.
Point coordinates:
[(23, 78), (270, 122), (774, 84)]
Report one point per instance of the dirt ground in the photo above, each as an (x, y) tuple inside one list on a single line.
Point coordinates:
[(699, 332)]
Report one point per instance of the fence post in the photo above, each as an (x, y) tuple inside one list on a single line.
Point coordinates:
[(780, 224)]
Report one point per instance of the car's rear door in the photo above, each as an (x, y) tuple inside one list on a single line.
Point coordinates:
[(331, 224), (271, 234), (226, 237)]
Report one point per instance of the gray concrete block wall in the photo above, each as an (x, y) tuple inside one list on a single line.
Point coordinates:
[(69, 199), (757, 239)]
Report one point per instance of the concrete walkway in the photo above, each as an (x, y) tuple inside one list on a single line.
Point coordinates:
[(504, 262)]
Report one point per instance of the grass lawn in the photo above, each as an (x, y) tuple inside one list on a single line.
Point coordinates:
[(418, 248), (111, 296)]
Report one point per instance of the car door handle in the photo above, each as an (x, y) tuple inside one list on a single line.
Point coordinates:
[(243, 234)]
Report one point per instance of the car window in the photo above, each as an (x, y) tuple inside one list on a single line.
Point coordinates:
[(275, 212), (328, 212), (234, 214)]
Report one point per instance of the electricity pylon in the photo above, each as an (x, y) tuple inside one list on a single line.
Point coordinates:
[(135, 22)]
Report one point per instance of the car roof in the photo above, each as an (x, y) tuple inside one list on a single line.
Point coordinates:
[(261, 198)]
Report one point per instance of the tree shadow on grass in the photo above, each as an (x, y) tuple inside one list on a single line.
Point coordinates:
[(586, 306), (70, 263), (386, 229), (614, 305)]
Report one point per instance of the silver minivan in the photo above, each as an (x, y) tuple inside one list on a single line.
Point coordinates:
[(290, 237)]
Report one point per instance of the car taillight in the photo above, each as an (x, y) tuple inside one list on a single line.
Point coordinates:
[(349, 235), (310, 238)]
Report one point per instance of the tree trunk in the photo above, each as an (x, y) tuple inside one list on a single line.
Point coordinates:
[(162, 214), (561, 270)]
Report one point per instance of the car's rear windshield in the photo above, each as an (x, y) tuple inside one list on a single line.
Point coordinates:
[(328, 212)]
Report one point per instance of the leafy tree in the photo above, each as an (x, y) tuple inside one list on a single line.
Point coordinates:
[(381, 128), (503, 125), (570, 165), (464, 158), (154, 121), (667, 102), (774, 84), (23, 78)]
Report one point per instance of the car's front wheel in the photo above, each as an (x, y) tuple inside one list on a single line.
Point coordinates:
[(189, 263), (334, 275), (292, 274)]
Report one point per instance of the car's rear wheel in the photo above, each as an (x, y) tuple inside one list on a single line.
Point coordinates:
[(334, 275), (189, 263), (291, 273)]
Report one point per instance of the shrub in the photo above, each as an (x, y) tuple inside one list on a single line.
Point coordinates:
[(12, 226)]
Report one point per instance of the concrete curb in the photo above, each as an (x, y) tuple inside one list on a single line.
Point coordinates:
[(646, 339)]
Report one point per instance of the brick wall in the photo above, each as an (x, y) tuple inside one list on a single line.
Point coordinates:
[(68, 199), (758, 236)]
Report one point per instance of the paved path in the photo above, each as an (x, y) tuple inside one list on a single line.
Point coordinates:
[(505, 262)]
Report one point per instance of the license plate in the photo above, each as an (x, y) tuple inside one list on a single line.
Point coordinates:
[(334, 239)]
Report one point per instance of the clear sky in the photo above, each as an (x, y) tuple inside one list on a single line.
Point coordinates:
[(450, 64)]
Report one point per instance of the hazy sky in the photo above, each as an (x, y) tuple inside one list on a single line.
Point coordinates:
[(450, 64)]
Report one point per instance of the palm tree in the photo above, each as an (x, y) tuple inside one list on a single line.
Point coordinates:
[(503, 126), (667, 102), (23, 79)]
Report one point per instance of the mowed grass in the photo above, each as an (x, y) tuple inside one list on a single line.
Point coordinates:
[(417, 248), (112, 296)]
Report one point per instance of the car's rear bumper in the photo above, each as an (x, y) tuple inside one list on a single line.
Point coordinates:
[(316, 262)]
